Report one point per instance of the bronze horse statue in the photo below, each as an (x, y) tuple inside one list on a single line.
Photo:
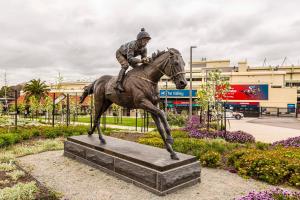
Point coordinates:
[(141, 92)]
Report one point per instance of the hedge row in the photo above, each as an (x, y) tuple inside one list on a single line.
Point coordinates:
[(24, 133), (275, 166), (272, 164)]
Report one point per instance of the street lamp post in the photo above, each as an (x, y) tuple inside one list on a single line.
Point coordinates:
[(166, 97), (191, 80)]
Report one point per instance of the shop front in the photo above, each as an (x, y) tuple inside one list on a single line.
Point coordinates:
[(178, 100)]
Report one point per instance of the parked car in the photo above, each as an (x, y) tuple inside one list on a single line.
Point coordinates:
[(236, 115)]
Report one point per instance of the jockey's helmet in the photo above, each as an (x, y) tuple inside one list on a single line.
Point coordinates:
[(143, 34)]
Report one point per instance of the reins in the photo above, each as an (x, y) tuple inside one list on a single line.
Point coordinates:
[(171, 76)]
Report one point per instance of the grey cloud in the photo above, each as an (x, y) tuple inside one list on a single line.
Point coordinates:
[(79, 38)]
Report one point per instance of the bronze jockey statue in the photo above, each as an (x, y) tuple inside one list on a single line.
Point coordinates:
[(126, 55)]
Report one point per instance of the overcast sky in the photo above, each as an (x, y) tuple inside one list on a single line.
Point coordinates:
[(39, 39)]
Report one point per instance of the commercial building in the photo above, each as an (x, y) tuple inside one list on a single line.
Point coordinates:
[(253, 90)]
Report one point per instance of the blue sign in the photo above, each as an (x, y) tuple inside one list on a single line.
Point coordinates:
[(291, 108), (177, 93)]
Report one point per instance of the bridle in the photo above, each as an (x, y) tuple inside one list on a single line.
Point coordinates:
[(172, 76)]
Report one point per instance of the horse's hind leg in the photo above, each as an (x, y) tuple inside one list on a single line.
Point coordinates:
[(104, 107), (98, 107)]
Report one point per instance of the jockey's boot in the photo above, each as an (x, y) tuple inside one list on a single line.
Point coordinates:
[(119, 85)]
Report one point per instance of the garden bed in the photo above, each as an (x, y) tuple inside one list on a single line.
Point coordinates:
[(274, 164), (22, 184)]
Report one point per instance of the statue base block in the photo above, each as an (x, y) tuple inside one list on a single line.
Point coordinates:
[(148, 167)]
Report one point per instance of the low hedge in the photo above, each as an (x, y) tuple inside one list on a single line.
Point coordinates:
[(275, 166), (259, 160), (209, 151), (9, 137)]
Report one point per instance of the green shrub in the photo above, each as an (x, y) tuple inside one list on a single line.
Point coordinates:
[(25, 135), (274, 166), (35, 133), (262, 145), (177, 119), (211, 159), (215, 126), (178, 133), (2, 142), (16, 174), (20, 191), (156, 142), (7, 167), (8, 139), (192, 146)]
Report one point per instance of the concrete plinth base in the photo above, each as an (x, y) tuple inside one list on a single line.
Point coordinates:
[(148, 167)]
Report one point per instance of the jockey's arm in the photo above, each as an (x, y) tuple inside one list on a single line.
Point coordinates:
[(144, 53), (130, 56)]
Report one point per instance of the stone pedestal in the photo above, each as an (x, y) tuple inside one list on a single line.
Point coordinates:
[(148, 167)]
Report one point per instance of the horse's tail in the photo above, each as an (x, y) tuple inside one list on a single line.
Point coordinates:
[(89, 89)]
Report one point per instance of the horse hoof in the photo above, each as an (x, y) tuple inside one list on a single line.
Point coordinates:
[(102, 141), (170, 141), (174, 157), (90, 133)]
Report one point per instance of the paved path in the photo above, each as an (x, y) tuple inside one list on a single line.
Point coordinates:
[(79, 181), (267, 130)]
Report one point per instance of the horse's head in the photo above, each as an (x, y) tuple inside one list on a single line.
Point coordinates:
[(175, 69)]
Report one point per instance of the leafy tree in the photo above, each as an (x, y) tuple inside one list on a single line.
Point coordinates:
[(1, 108), (47, 105), (21, 107), (212, 93), (116, 111), (7, 90), (36, 88), (35, 105)]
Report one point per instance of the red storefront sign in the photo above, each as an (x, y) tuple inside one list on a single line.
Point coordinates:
[(182, 102), (244, 103), (247, 92)]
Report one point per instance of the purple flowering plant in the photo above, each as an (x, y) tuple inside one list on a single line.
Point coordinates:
[(274, 194), (194, 127), (290, 142)]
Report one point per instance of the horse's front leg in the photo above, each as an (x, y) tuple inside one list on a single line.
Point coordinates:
[(166, 125), (163, 118), (156, 114)]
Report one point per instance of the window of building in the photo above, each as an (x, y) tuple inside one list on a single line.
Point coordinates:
[(194, 79), (288, 84), (276, 86)]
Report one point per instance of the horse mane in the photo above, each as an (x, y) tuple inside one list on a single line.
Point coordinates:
[(156, 55)]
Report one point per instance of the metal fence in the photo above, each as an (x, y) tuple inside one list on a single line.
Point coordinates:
[(67, 113), (278, 112)]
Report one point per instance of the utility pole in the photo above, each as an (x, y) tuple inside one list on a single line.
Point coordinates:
[(191, 80)]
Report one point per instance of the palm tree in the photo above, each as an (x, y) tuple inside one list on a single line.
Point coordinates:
[(36, 88)]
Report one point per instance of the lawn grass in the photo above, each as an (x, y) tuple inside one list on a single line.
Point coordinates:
[(126, 121)]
